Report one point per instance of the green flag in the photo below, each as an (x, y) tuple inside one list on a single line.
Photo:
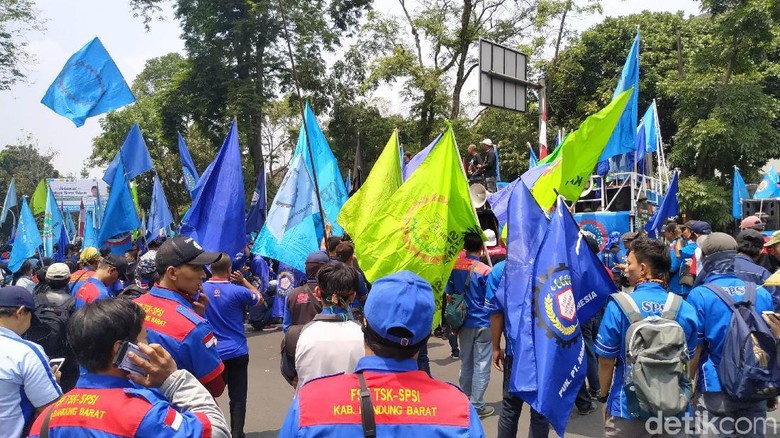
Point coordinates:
[(38, 201), (578, 155), (385, 178), (421, 227)]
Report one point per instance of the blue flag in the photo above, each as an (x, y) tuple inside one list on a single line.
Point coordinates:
[(416, 160), (739, 192), (216, 218), (651, 128), (89, 84), (62, 244), (668, 208), (120, 217), (294, 202), (287, 280), (331, 184), (605, 226), (27, 239), (768, 187), (70, 226), (90, 233), (159, 213), (498, 163), (499, 201), (623, 138), (640, 153), (52, 224), (257, 207), (188, 168), (532, 159), (134, 155), (10, 200)]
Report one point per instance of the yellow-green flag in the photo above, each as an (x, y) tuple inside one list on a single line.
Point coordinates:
[(421, 226), (579, 154), (385, 178), (38, 200)]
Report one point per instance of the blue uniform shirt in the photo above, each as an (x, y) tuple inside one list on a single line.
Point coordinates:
[(496, 295), (714, 320), (611, 340), (747, 270), (479, 309), (225, 314), (93, 289)]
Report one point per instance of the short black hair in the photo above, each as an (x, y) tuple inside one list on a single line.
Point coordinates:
[(472, 242), (93, 330), (344, 251), (105, 251), (60, 283), (153, 244), (222, 265), (592, 243), (333, 242), (384, 348), (337, 278), (653, 253)]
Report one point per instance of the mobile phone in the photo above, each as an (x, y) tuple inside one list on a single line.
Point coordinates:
[(771, 313), (123, 362), (56, 363)]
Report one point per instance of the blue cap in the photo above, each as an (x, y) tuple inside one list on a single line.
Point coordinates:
[(402, 300), (701, 228), (318, 257), (15, 297)]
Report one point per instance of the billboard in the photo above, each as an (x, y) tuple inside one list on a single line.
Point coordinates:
[(70, 192)]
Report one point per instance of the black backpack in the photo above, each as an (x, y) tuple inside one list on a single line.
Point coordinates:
[(51, 327)]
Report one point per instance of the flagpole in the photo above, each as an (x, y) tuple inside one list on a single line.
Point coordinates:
[(303, 116)]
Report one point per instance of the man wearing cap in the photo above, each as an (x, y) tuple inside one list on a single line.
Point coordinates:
[(174, 309), (749, 245), (489, 166), (110, 269), (719, 251), (771, 259), (27, 384), (386, 394), (301, 306), (88, 260)]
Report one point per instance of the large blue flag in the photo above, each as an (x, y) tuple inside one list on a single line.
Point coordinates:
[(768, 188), (134, 155), (294, 202), (739, 192), (52, 224), (623, 138), (159, 213), (62, 244), (216, 218), (499, 201), (89, 84), (90, 233), (120, 217), (10, 200), (605, 226), (188, 168), (27, 239), (415, 162), (256, 216), (668, 208)]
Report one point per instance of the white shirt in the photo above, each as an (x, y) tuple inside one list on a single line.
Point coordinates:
[(26, 282), (26, 382), (328, 347)]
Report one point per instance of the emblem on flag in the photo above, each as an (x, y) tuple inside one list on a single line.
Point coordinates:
[(556, 308)]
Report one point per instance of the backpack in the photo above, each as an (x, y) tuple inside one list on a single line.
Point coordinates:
[(457, 309), (747, 368), (50, 329), (656, 369)]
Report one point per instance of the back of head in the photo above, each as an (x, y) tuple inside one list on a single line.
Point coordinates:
[(89, 256), (332, 243), (472, 242), (58, 275), (336, 278), (592, 243), (314, 262), (345, 251), (717, 242), (750, 242), (654, 254), (222, 266), (94, 330)]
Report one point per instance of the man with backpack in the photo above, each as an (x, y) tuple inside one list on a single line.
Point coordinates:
[(737, 360), (643, 344)]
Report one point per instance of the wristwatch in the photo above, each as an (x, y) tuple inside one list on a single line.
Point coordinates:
[(603, 398)]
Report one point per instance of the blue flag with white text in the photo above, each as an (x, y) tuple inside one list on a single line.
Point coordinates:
[(27, 239), (89, 84), (134, 155), (159, 213), (416, 160), (120, 217), (767, 189), (294, 201), (623, 138), (188, 167), (216, 219), (255, 218), (52, 224), (739, 192), (10, 200)]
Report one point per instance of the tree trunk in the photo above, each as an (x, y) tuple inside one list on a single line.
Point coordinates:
[(465, 41)]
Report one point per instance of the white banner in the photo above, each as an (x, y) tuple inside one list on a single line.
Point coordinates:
[(71, 192)]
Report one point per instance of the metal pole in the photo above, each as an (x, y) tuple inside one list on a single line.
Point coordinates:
[(303, 116)]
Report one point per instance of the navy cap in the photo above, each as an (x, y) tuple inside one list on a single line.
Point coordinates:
[(402, 300), (318, 257), (15, 297), (701, 228)]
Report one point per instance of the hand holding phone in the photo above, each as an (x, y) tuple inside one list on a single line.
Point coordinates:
[(55, 364), (156, 363), (123, 362), (773, 321)]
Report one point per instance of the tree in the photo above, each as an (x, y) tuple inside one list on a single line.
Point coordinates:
[(16, 18), (25, 162)]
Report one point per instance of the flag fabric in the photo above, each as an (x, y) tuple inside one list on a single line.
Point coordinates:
[(288, 279), (348, 181), (668, 208), (639, 154), (82, 219), (38, 201), (27, 239), (498, 163), (576, 158), (421, 227), (188, 167), (499, 201), (70, 226), (62, 244), (120, 217), (542, 125), (739, 192), (365, 204), (649, 120), (257, 206), (295, 201), (10, 200), (89, 84), (97, 218), (415, 162), (358, 177), (603, 225), (768, 187), (533, 161), (134, 155), (52, 224), (623, 139), (90, 233), (333, 194), (159, 213), (216, 219)]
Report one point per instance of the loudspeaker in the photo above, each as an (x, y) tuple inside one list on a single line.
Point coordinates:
[(770, 209)]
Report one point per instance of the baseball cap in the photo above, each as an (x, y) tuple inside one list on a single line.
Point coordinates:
[(750, 222), (400, 300), (318, 257), (491, 238), (119, 263), (701, 227), (717, 242), (57, 271), (487, 142), (184, 251), (774, 240), (752, 236), (628, 235), (15, 297), (89, 255)]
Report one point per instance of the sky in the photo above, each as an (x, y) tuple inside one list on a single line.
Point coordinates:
[(69, 25)]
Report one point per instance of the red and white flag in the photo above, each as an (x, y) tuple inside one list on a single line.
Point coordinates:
[(82, 219), (542, 125)]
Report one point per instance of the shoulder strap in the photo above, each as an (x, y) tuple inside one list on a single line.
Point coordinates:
[(672, 306), (313, 299), (628, 306), (751, 293), (77, 280), (45, 425), (366, 409), (468, 277), (722, 294)]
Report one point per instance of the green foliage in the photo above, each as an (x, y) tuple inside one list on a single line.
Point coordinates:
[(16, 18), (25, 162), (706, 199)]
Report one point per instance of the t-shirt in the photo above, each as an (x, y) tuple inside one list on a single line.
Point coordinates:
[(92, 290), (479, 309), (225, 314), (611, 340), (496, 295), (328, 347), (714, 320), (490, 164)]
